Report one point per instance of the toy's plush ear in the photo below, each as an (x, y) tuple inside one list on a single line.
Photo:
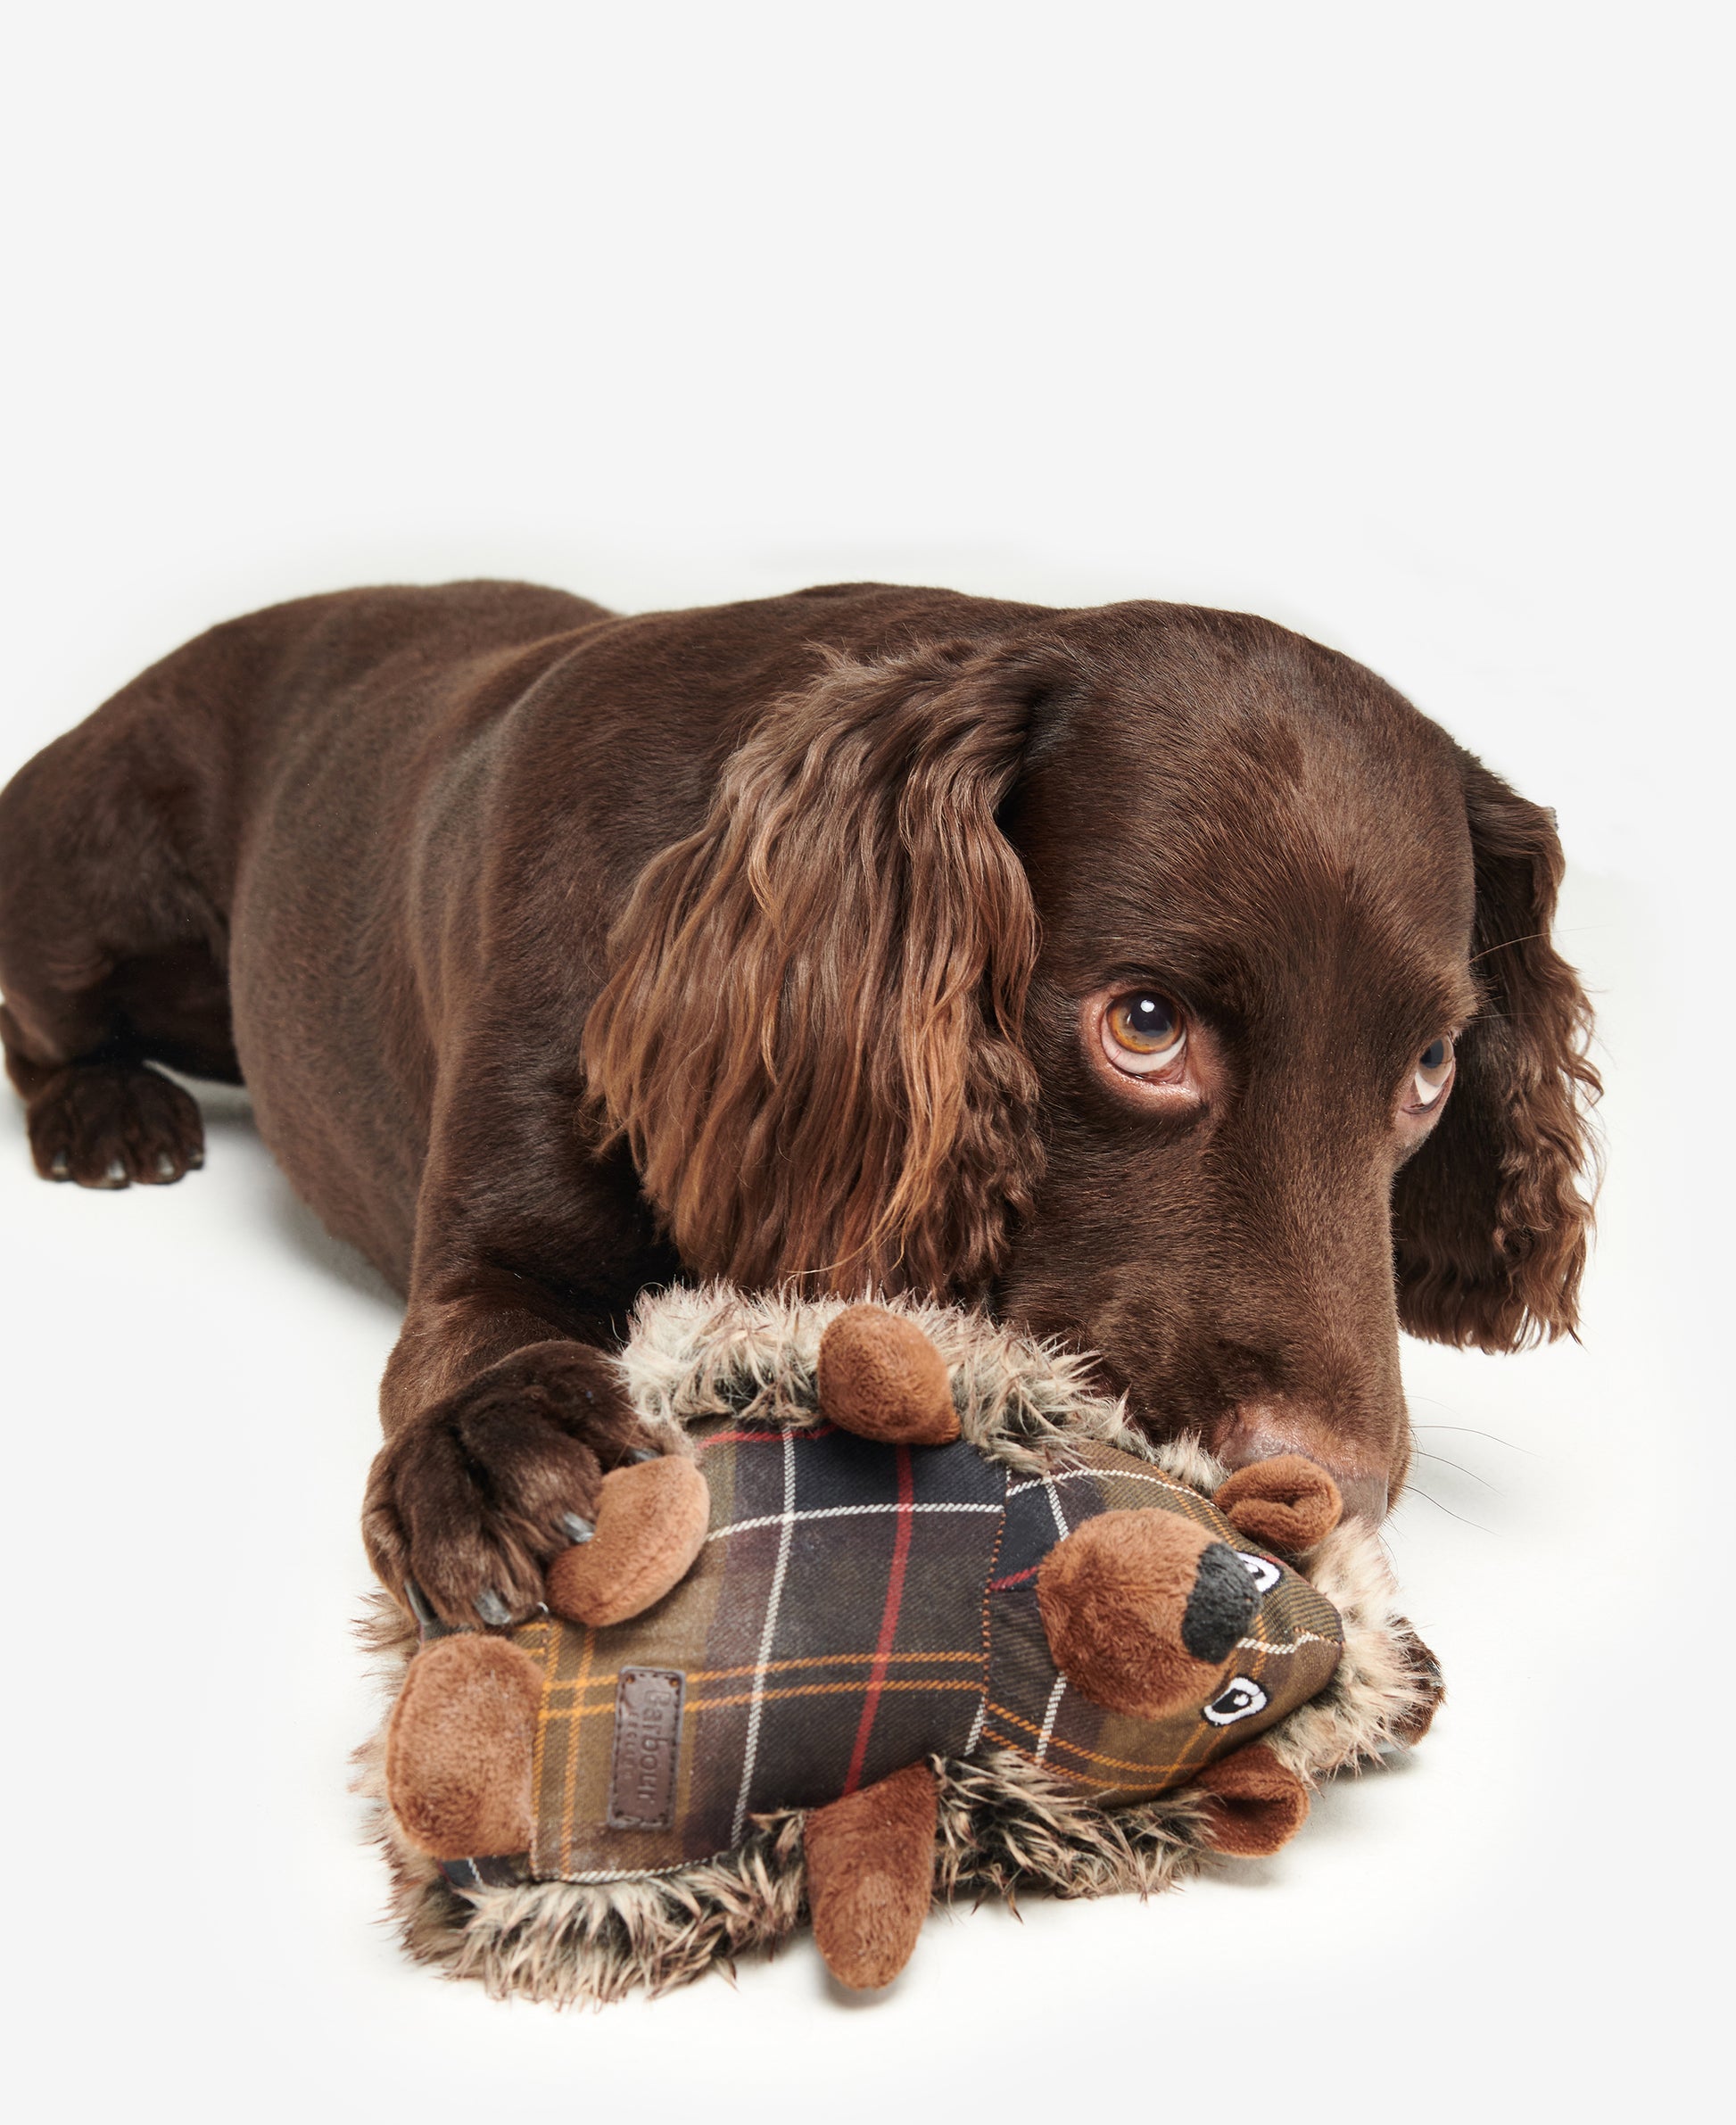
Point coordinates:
[(1286, 1502), (1491, 1218), (871, 1876), (853, 1105), (880, 1377), (1141, 1609)]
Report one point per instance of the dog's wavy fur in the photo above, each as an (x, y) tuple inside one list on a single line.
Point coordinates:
[(812, 1038), (1490, 1224)]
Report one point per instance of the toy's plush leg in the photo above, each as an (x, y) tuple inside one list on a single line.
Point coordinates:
[(1142, 1608), (880, 1377), (459, 1749), (871, 1876), (651, 1523), (1286, 1502), (1258, 1804)]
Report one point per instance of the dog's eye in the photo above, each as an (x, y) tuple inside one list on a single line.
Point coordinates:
[(1434, 1070), (1143, 1031)]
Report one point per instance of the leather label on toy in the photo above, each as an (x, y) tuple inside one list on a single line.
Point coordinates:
[(647, 1734)]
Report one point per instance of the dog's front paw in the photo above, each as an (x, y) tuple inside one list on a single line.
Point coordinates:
[(469, 1503), (105, 1125)]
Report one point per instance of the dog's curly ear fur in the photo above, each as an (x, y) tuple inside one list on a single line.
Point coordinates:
[(1492, 1216), (811, 1037)]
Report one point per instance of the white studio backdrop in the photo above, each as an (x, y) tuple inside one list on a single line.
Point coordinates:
[(1409, 329)]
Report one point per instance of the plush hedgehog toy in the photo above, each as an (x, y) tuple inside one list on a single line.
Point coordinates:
[(879, 1622)]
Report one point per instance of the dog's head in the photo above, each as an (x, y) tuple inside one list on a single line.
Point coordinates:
[(1164, 977)]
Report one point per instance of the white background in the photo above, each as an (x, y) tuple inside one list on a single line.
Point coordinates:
[(1405, 327)]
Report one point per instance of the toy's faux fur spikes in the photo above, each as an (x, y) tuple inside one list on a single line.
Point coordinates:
[(713, 1351), (1004, 1826)]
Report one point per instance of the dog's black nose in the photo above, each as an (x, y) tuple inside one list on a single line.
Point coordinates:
[(1221, 1606)]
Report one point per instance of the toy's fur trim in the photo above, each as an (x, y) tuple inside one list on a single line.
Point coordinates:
[(1005, 1824), (715, 1352), (1385, 1687)]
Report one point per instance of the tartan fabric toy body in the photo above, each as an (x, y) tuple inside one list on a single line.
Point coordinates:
[(857, 1608), (829, 1633), (902, 1611), (900, 1608)]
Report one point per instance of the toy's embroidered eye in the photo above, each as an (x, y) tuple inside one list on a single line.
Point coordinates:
[(1261, 1570), (1143, 1032), (1433, 1074), (1239, 1699)]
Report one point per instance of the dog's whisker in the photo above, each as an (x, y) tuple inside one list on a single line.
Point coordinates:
[(1463, 1469), (1512, 1445), (1415, 1490)]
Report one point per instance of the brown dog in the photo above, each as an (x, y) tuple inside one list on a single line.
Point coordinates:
[(1155, 973)]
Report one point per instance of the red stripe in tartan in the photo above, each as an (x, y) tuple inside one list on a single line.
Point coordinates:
[(895, 1587), (765, 1438), (1014, 1579)]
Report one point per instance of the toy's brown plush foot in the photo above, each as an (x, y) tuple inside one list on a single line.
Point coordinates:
[(1257, 1804), (1286, 1502), (880, 1377), (1141, 1609), (651, 1523), (871, 1876), (460, 1746)]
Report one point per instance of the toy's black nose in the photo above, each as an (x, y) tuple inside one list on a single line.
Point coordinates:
[(1221, 1606)]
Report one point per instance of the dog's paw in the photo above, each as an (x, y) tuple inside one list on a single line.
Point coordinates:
[(470, 1502), (105, 1125)]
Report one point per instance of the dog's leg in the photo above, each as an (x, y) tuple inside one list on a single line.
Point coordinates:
[(502, 1407), (107, 958)]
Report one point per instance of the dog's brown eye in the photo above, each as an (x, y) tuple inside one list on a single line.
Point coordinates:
[(1143, 1031), (1433, 1069)]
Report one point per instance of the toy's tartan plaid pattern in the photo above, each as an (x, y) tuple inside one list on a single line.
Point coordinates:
[(856, 1608)]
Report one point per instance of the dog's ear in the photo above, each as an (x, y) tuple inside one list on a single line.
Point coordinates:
[(811, 1037), (1492, 1217)]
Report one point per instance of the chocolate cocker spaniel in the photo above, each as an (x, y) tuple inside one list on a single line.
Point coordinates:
[(1158, 977)]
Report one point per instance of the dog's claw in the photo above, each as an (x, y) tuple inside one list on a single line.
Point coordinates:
[(493, 1610), (578, 1528), (60, 1169)]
